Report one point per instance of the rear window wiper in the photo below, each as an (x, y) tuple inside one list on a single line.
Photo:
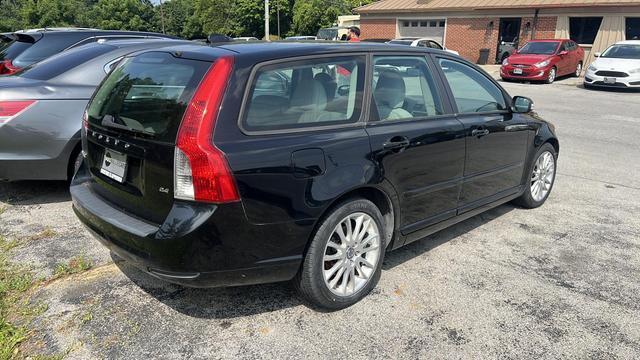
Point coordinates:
[(113, 121)]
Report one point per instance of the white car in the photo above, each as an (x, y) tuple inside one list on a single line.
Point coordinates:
[(420, 42), (618, 66), (246, 38)]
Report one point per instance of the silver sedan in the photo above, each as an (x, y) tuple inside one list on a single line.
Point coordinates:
[(41, 108)]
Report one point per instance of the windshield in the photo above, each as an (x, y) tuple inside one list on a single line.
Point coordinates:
[(623, 51), (401, 42), (147, 94), (327, 34), (540, 48)]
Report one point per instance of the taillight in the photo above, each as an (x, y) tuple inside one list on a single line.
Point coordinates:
[(201, 171), (11, 109), (7, 68)]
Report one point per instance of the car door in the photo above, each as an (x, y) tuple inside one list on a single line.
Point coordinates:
[(416, 140), (496, 141), (566, 62)]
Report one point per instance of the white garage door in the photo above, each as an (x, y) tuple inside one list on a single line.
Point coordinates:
[(423, 28)]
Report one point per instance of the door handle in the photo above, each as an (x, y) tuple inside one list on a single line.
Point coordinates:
[(396, 143), (479, 132)]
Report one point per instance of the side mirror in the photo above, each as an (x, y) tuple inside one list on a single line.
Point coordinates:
[(563, 53), (521, 105), (597, 54)]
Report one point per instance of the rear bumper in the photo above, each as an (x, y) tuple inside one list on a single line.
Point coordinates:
[(198, 245)]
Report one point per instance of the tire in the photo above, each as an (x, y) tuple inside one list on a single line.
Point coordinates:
[(75, 160), (531, 199), (578, 71), (553, 74), (318, 281)]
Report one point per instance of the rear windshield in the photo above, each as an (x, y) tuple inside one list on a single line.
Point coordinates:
[(47, 46), (13, 49), (147, 94), (401, 42), (59, 64), (540, 48)]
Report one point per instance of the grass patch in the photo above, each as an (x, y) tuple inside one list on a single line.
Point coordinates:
[(76, 265), (14, 282), (44, 234)]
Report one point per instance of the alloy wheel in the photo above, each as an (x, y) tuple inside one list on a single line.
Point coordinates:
[(351, 255), (542, 176), (552, 76)]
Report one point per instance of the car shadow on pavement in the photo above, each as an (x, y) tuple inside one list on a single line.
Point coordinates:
[(215, 303), (417, 248), (241, 301), (34, 192)]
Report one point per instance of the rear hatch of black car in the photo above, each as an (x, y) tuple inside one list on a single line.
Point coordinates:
[(11, 46), (132, 125)]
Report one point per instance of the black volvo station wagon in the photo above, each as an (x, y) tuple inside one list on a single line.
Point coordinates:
[(264, 162)]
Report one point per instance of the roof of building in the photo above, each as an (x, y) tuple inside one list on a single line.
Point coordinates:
[(385, 6)]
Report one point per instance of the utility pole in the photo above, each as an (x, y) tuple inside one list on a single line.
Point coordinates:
[(266, 20), (162, 16), (278, 9)]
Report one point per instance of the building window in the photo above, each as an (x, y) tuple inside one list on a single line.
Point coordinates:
[(423, 24), (441, 24), (406, 24), (414, 24), (433, 23), (583, 30), (633, 29)]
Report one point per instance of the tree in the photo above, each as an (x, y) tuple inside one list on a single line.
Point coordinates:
[(10, 18), (53, 13), (136, 15)]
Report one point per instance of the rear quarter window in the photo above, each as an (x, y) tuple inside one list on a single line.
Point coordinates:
[(47, 46), (148, 94), (305, 94)]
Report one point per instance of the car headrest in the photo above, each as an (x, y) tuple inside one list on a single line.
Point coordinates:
[(390, 90)]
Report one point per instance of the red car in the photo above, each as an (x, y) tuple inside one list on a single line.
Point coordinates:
[(544, 60)]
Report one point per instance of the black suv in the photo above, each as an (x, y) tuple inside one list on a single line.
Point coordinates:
[(254, 163), (23, 49)]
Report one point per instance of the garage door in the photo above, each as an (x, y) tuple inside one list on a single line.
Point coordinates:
[(430, 28)]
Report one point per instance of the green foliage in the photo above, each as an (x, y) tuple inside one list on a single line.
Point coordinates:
[(76, 265), (13, 283), (184, 18), (123, 15)]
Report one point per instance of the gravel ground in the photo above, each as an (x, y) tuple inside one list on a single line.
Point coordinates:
[(561, 281)]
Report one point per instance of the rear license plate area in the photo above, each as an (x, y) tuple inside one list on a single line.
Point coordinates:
[(114, 165)]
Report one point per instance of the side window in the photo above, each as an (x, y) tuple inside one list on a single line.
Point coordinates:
[(310, 93), (403, 88), (472, 91)]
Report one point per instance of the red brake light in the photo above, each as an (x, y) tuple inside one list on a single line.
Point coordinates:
[(201, 169), (11, 109), (7, 68)]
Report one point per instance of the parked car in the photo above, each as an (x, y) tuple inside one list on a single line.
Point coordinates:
[(618, 66), (333, 33), (246, 38), (420, 42), (40, 108), (240, 164), (30, 47), (544, 60), (299, 38)]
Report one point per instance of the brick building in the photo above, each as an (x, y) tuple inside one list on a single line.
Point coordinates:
[(468, 26)]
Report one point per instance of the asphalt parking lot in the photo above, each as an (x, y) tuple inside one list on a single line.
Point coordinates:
[(561, 281)]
